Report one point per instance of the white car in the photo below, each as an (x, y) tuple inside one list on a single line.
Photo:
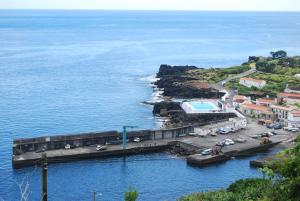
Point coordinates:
[(193, 134), (137, 139), (100, 147), (67, 146), (240, 140), (293, 129), (206, 152), (229, 142)]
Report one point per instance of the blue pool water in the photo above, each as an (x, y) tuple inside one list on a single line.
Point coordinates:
[(78, 71), (202, 106)]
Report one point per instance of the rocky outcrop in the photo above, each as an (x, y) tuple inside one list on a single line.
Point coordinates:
[(177, 83), (164, 108)]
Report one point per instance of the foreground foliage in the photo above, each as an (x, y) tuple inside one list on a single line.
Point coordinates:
[(282, 182), (131, 195)]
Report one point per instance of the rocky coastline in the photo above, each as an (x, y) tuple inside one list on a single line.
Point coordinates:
[(175, 83)]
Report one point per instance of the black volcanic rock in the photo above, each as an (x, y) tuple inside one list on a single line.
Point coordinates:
[(176, 83), (167, 70)]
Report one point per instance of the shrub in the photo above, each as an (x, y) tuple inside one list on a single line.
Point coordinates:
[(131, 195)]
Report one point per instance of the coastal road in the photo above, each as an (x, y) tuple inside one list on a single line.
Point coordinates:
[(220, 85)]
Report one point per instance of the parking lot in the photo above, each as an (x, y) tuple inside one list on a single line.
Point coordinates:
[(246, 133)]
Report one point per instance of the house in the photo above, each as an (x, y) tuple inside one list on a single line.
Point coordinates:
[(281, 112), (289, 98), (238, 100), (251, 82), (265, 101), (293, 119), (258, 111), (292, 89)]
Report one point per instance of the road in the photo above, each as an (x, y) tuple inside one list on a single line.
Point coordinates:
[(232, 93)]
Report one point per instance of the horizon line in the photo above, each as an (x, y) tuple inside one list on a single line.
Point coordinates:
[(116, 9)]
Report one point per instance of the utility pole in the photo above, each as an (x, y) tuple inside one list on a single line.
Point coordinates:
[(44, 177), (94, 195)]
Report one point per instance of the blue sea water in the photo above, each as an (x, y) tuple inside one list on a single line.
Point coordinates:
[(77, 71)]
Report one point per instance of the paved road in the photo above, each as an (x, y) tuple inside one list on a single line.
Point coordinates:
[(220, 85)]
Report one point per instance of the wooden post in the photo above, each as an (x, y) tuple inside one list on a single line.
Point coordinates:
[(44, 177), (94, 196)]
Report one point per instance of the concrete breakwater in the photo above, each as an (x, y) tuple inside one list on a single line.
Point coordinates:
[(28, 151), (200, 160)]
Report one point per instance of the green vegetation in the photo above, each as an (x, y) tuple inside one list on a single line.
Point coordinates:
[(282, 182), (297, 105), (213, 75), (277, 71), (131, 195)]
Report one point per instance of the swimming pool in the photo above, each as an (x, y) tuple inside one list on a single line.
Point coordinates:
[(202, 105)]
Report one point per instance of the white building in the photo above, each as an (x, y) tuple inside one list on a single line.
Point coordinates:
[(251, 82), (238, 100), (293, 119), (289, 98)]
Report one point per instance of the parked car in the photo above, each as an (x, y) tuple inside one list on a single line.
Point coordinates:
[(264, 135), (223, 131), (193, 134), (221, 143), (293, 129), (229, 142), (100, 147), (137, 139), (274, 126), (206, 152), (256, 136), (240, 140), (67, 146), (214, 134)]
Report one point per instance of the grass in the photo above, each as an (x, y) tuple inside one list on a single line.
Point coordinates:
[(214, 75)]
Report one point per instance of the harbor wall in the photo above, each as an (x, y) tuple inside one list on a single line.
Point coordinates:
[(36, 144)]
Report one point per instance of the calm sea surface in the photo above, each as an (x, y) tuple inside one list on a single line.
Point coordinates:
[(77, 71)]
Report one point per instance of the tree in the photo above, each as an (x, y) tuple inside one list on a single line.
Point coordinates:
[(278, 54), (131, 195)]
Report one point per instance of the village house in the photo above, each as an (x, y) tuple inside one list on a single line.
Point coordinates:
[(257, 111), (251, 82), (265, 101), (293, 119), (289, 98), (281, 112), (292, 89), (238, 100)]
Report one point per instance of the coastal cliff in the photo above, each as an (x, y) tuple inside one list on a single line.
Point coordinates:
[(176, 82)]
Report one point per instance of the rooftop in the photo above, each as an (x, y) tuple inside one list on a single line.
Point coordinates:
[(256, 107), (266, 100), (239, 97), (286, 108), (290, 95), (252, 80)]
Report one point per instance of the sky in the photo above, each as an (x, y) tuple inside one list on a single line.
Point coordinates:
[(232, 5)]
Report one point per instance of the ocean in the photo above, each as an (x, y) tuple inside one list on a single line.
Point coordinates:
[(78, 71)]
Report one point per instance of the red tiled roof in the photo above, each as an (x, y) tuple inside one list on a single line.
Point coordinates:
[(256, 107), (286, 108), (239, 97), (289, 95), (266, 100), (252, 79)]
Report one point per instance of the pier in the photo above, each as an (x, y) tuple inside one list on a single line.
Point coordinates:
[(27, 152)]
